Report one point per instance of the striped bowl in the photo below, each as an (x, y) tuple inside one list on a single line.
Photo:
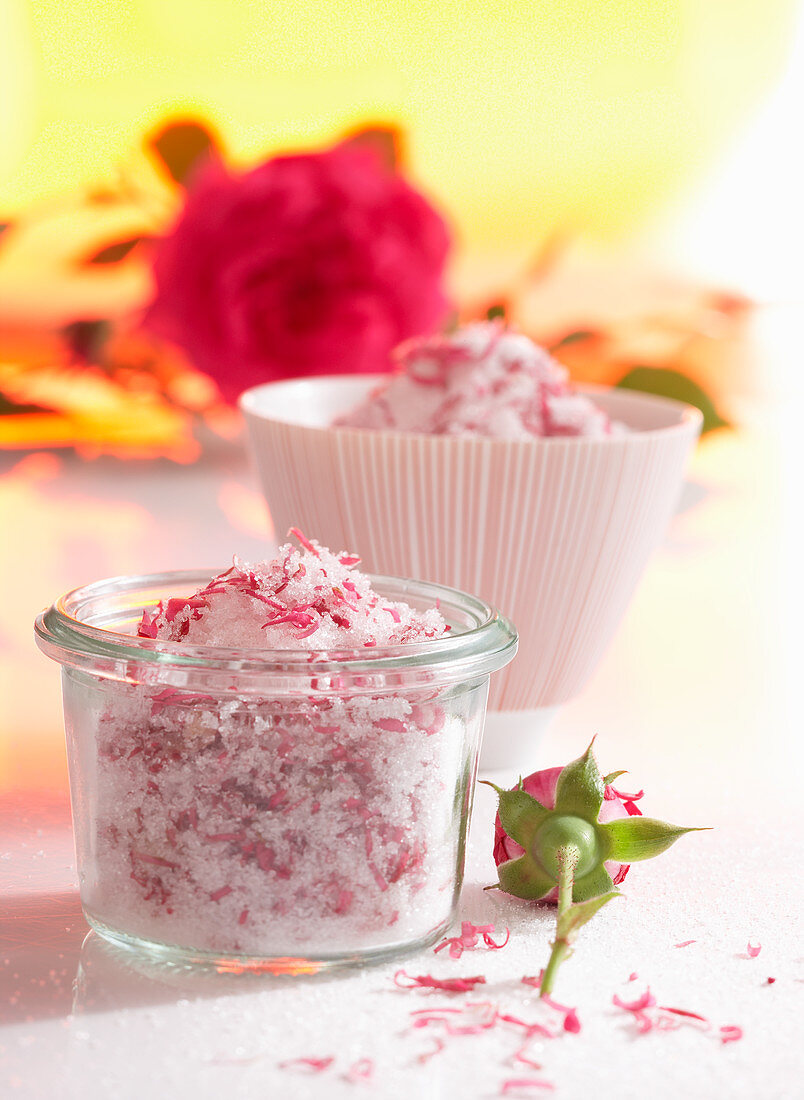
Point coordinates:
[(553, 532)]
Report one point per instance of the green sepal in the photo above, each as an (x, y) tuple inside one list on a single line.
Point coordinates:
[(592, 885), (607, 779), (631, 839), (575, 916), (524, 878), (580, 787), (520, 814)]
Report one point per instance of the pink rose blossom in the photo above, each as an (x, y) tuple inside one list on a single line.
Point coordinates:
[(542, 786), (315, 263)]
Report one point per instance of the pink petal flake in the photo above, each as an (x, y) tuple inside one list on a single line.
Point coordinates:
[(305, 542), (535, 981), (520, 1084), (571, 1022), (309, 1065), (470, 937), (446, 985), (686, 1013), (632, 977), (530, 1029), (753, 949), (425, 1057), (521, 1056), (684, 943), (730, 1033), (647, 1000), (362, 1070)]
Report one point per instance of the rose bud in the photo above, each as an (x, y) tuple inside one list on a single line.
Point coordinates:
[(565, 835)]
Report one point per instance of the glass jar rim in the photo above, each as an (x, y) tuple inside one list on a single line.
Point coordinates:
[(66, 632)]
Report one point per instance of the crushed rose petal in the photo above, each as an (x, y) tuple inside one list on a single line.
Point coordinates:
[(470, 938), (314, 1065), (515, 1084), (571, 1022), (428, 1054), (446, 985), (521, 1056), (666, 1017), (753, 949), (362, 1070)]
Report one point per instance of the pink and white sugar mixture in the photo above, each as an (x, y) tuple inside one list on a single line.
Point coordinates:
[(482, 380), (309, 824)]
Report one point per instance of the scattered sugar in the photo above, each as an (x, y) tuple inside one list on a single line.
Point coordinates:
[(483, 380)]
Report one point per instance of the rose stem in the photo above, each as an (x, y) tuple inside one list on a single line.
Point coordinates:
[(567, 860)]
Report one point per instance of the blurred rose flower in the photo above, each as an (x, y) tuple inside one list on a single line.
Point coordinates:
[(316, 263)]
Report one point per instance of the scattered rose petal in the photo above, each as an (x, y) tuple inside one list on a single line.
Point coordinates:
[(428, 1054), (521, 1056), (535, 981), (770, 981), (647, 1000), (515, 1084), (753, 949), (472, 1019), (314, 1065), (730, 1033), (470, 938), (571, 1022), (530, 1029), (362, 1070), (633, 977), (685, 1012), (427, 981), (684, 943)]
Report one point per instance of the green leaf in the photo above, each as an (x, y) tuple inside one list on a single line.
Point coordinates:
[(672, 383), (576, 336), (114, 253), (183, 146), (520, 814), (577, 915), (580, 787), (592, 885), (607, 779), (524, 878), (634, 838), (386, 143)]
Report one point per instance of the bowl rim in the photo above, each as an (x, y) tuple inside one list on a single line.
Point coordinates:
[(688, 423)]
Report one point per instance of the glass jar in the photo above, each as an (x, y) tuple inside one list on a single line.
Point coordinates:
[(279, 809)]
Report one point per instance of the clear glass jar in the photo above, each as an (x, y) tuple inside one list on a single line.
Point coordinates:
[(278, 809)]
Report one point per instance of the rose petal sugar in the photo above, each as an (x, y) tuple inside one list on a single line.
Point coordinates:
[(483, 379), (306, 823)]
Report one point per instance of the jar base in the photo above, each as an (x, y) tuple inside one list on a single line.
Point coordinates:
[(290, 966), (511, 738)]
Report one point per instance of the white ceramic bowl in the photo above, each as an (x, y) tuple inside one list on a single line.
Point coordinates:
[(555, 532)]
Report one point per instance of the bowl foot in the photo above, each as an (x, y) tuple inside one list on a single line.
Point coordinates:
[(512, 737)]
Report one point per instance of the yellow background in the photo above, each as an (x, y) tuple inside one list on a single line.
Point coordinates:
[(522, 118)]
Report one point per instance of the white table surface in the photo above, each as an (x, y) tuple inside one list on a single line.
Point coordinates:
[(698, 697)]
